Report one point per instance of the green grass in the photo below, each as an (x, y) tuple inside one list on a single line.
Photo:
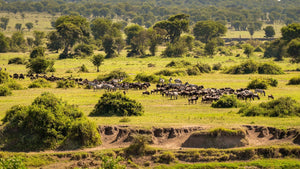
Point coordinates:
[(159, 111)]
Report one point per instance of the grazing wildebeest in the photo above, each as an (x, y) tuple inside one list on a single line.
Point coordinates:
[(178, 81), (270, 97), (261, 91), (146, 92), (173, 95), (193, 99), (162, 81), (15, 76), (21, 76), (256, 96), (170, 80)]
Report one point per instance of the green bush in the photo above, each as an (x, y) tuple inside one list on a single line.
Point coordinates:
[(84, 50), (38, 51), (281, 107), (203, 68), (167, 72), (17, 60), (65, 84), (14, 162), (166, 158), (258, 49), (117, 104), (13, 85), (46, 124), (294, 81), (269, 68), (244, 68), (178, 64), (217, 66), (174, 50), (40, 83), (115, 74), (226, 101), (83, 68), (3, 76), (5, 91), (141, 77), (262, 83), (138, 145), (193, 71)]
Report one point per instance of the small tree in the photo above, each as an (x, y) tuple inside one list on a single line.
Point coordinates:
[(109, 46), (38, 38), (4, 45), (120, 44), (29, 26), (38, 51), (54, 41), (251, 30), (269, 31), (97, 60), (18, 26), (210, 47), (294, 50), (248, 50), (4, 22), (38, 65)]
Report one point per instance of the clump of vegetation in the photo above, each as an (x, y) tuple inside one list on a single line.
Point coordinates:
[(38, 51), (139, 145), (166, 157), (178, 64), (13, 85), (84, 50), (167, 72), (269, 68), (226, 132), (193, 71), (83, 68), (69, 71), (217, 66), (262, 83), (258, 49), (111, 162), (141, 77), (5, 91), (17, 60), (12, 162), (294, 81), (65, 84), (174, 50), (226, 101), (117, 104), (203, 68), (281, 107), (3, 77), (48, 123), (115, 74), (40, 83), (244, 68)]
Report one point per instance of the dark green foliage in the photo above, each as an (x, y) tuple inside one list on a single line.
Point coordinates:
[(203, 67), (141, 77), (217, 66), (166, 158), (291, 31), (66, 84), (5, 91), (4, 43), (109, 46), (17, 42), (39, 83), (54, 41), (178, 64), (269, 68), (244, 68), (207, 30), (275, 49), (139, 145), (97, 60), (84, 50), (281, 107), (14, 162), (115, 74), (38, 51), (13, 85), (167, 72), (248, 49), (294, 81), (16, 60), (193, 71), (174, 50), (210, 47), (83, 68), (46, 124), (29, 25), (4, 77), (262, 83), (225, 132), (269, 31), (294, 50), (39, 65), (258, 49), (117, 104), (111, 162), (226, 101)]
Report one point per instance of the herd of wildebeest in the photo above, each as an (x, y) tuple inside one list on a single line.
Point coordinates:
[(172, 90)]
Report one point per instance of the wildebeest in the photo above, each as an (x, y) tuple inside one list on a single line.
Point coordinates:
[(15, 76), (146, 92), (270, 97), (162, 81), (173, 95), (261, 91), (193, 99), (178, 81)]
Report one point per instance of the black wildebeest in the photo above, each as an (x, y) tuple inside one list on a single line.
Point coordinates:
[(193, 99)]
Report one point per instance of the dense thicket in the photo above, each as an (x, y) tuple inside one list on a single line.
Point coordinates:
[(48, 123)]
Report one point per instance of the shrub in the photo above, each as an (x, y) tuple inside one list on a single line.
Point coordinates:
[(167, 72), (13, 85), (217, 66), (268, 68), (203, 68), (39, 65), (139, 144), (5, 91), (226, 101), (272, 82), (66, 84), (258, 84), (14, 162), (294, 81), (38, 51), (166, 158), (40, 83), (117, 104), (83, 68), (111, 162), (226, 132), (174, 50), (16, 60), (46, 124), (115, 74), (244, 68), (84, 50), (178, 64), (69, 71), (281, 107), (258, 49), (146, 78), (3, 76), (193, 71)]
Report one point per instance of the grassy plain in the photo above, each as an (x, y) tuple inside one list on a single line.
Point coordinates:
[(160, 111)]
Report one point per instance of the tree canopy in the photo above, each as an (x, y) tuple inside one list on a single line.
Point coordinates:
[(206, 30)]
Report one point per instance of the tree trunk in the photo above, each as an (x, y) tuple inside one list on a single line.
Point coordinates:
[(97, 68)]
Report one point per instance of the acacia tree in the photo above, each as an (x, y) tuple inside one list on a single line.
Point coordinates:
[(72, 29), (269, 31), (207, 30), (251, 30), (174, 26), (54, 41), (4, 22), (109, 46), (29, 26), (97, 60), (18, 26), (38, 38), (155, 36), (291, 31), (248, 49)]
